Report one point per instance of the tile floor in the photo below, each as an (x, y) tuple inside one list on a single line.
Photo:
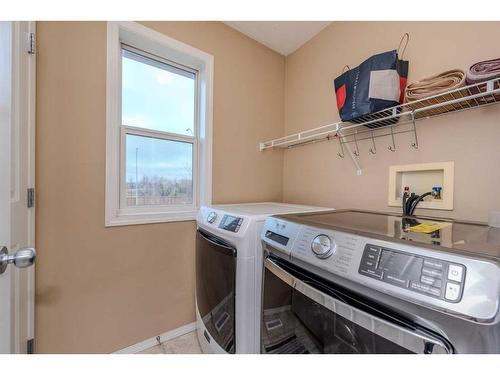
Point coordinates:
[(185, 344)]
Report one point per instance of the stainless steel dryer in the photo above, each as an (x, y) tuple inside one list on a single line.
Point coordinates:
[(365, 282)]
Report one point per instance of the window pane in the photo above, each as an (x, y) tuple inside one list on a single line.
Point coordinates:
[(156, 95), (158, 171)]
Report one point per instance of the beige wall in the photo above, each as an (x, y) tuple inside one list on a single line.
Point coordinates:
[(315, 175), (100, 289)]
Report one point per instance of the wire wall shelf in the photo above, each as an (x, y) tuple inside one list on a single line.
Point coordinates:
[(392, 121)]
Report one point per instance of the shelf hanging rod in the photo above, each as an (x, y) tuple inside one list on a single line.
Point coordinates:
[(393, 146), (373, 149)]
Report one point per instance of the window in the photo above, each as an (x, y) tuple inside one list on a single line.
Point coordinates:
[(158, 146), (159, 127)]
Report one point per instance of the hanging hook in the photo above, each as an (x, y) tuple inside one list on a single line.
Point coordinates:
[(344, 69), (356, 152), (393, 147), (407, 36), (340, 154), (373, 150), (414, 144)]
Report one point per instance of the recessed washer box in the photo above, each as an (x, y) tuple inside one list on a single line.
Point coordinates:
[(421, 178)]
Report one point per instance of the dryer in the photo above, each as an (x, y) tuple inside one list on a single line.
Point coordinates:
[(229, 274)]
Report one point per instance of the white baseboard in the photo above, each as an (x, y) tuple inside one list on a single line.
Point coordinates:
[(149, 343)]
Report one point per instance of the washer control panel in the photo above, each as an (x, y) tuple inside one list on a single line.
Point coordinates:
[(445, 281), (231, 223), (432, 277)]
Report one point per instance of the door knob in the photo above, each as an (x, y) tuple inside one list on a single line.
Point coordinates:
[(22, 258)]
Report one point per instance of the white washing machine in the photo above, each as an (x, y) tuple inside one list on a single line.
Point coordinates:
[(229, 274)]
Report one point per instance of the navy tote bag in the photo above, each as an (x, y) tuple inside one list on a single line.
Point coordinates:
[(376, 84)]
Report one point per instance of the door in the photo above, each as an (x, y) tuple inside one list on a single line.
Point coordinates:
[(303, 313), (17, 95), (215, 288)]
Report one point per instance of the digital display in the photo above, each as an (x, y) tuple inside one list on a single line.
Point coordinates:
[(230, 223), (400, 265), (277, 237)]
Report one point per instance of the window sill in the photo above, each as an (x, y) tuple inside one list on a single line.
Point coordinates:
[(150, 218)]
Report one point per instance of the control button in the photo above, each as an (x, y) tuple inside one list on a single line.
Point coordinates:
[(369, 263), (392, 279), (211, 217), (370, 249), (455, 272), (372, 257), (322, 246), (371, 272), (452, 291), (432, 272), (433, 264), (425, 288), (430, 281)]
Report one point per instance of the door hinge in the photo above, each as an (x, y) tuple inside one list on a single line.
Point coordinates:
[(31, 43), (31, 198), (30, 346)]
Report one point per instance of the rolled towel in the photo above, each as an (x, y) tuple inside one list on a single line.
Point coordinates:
[(483, 71), (417, 92), (437, 84)]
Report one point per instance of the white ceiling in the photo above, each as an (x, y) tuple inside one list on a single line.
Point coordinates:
[(282, 36)]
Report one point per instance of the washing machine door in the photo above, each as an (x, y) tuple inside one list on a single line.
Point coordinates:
[(303, 313), (215, 288)]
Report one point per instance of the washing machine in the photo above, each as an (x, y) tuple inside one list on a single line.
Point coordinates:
[(229, 274), (352, 281)]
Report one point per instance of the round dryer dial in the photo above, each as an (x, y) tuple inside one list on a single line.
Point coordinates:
[(322, 246), (211, 217)]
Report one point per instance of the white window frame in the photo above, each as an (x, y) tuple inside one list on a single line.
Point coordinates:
[(164, 135), (157, 44)]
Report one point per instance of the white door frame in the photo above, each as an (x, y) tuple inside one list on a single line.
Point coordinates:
[(5, 185), (20, 124)]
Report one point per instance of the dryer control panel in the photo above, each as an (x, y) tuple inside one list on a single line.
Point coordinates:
[(432, 277), (231, 223)]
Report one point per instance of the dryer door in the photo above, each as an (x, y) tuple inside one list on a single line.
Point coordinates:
[(305, 314), (215, 288)]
